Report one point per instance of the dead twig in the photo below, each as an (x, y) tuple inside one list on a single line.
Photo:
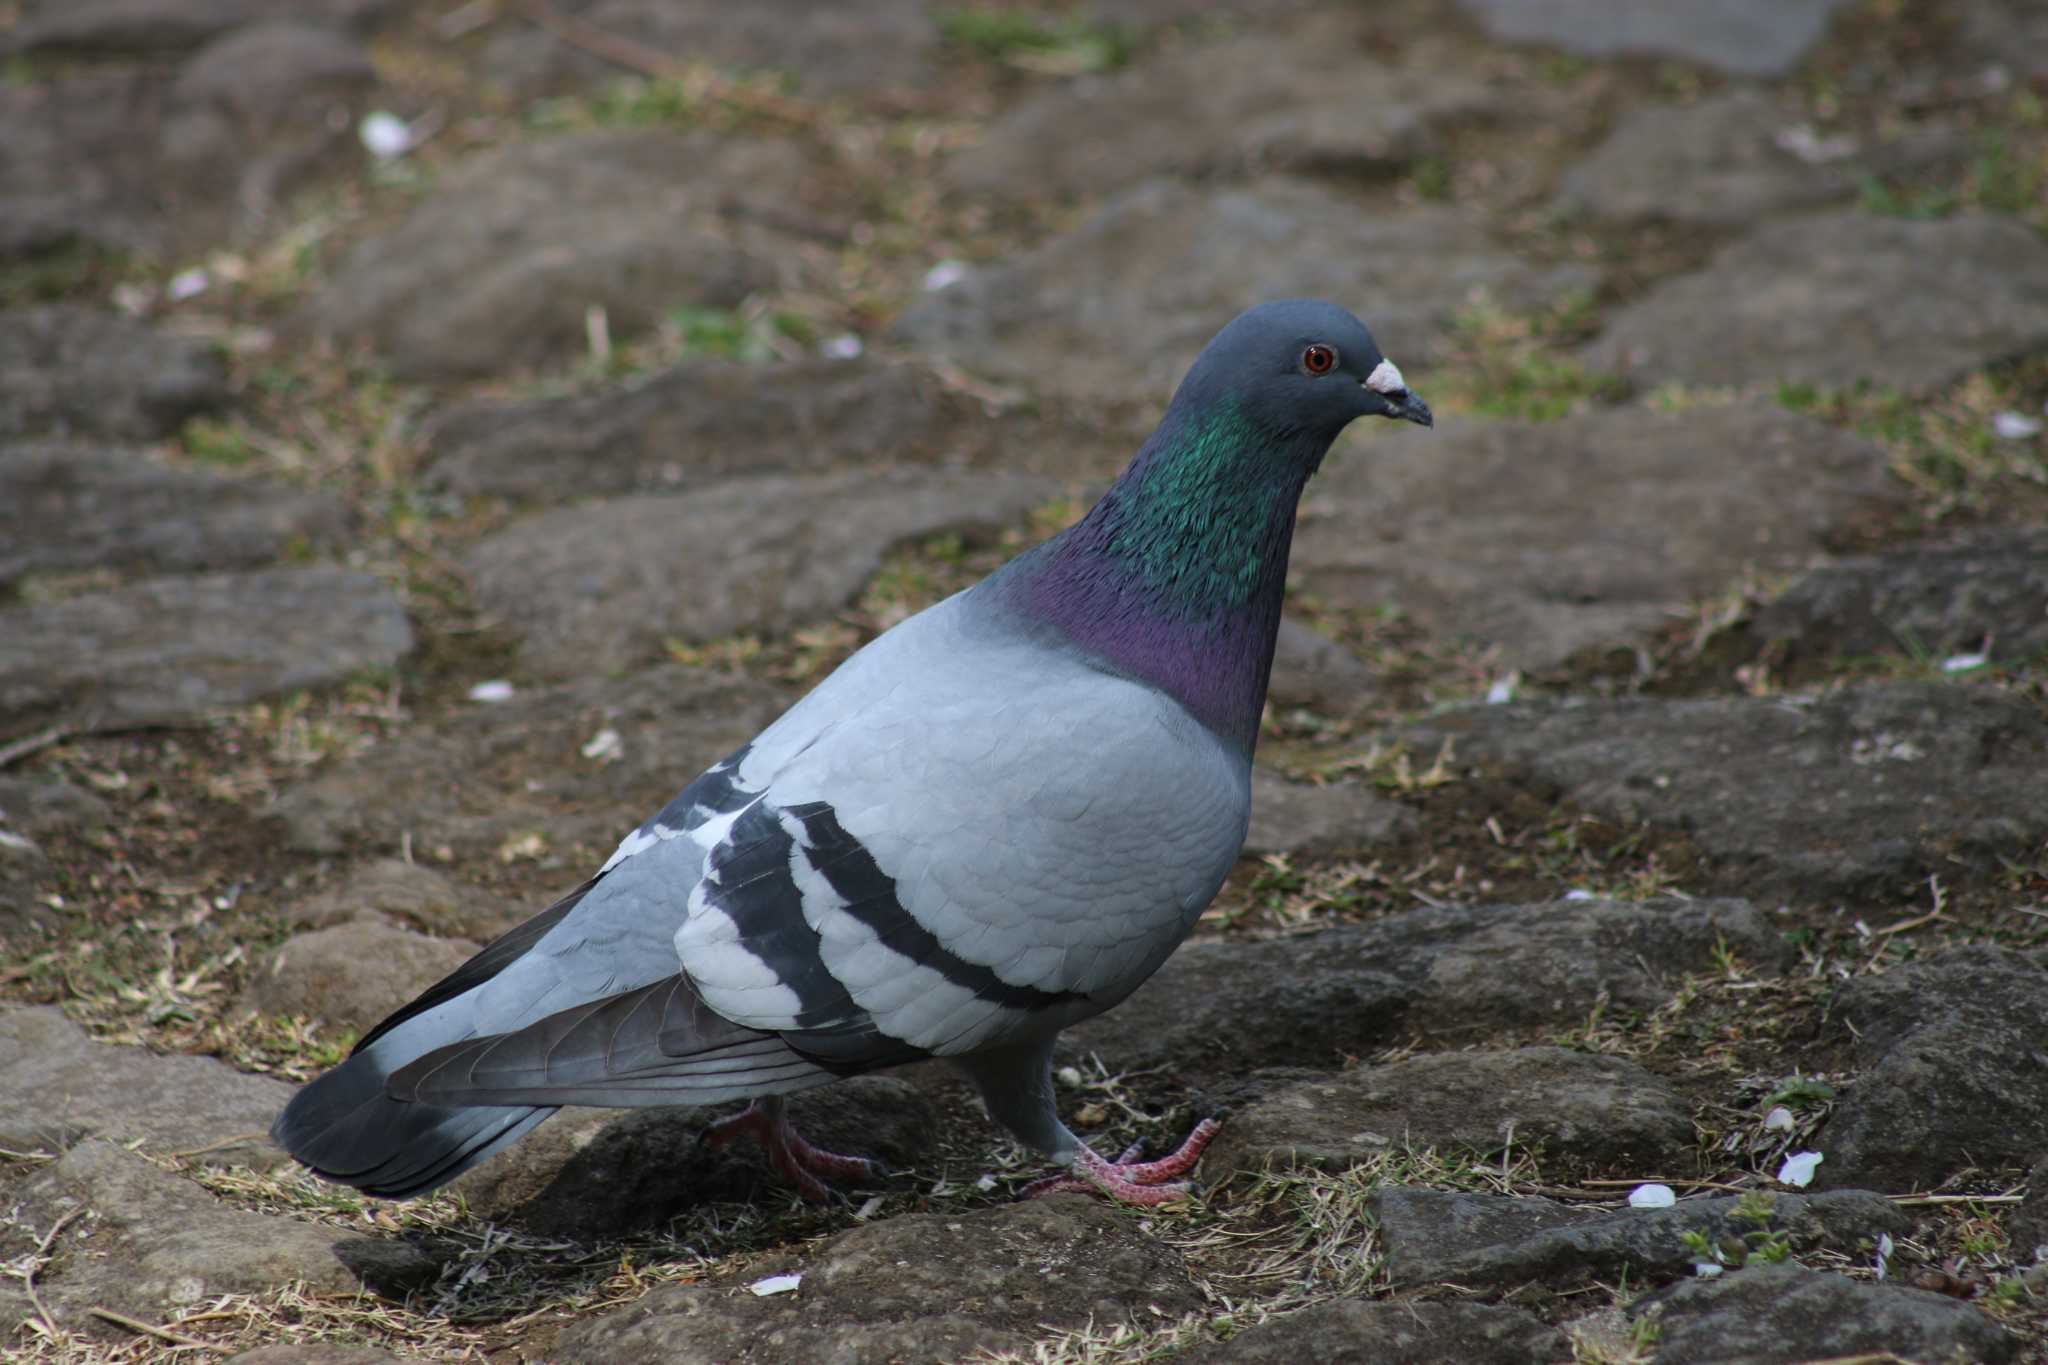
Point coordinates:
[(151, 1330), (232, 1140), (28, 744), (36, 1263)]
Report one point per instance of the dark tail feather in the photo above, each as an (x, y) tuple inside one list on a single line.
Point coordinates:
[(345, 1128)]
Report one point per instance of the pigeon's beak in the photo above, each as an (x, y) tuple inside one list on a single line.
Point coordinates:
[(1406, 404)]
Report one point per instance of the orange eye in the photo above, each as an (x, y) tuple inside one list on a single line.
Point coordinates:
[(1319, 359)]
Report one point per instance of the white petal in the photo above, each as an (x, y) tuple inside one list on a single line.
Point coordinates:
[(497, 689), (384, 134), (1799, 1168), (1780, 1120), (2014, 426), (776, 1284), (1652, 1197)]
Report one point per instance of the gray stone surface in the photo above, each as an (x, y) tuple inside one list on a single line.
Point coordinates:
[(697, 423), (1741, 37), (596, 1174), (1119, 306), (494, 776), (1307, 96), (67, 370), (1781, 1314), (67, 506), (917, 1286), (64, 1088), (76, 167), (1950, 1071), (392, 890), (313, 1354), (351, 975), (1576, 1107), (1729, 160), (497, 268), (1447, 977), (170, 651), (1344, 1330), (1858, 795), (101, 28), (1833, 298), (1433, 1236), (1312, 671), (608, 585), (1549, 538), (1985, 592), (156, 1244), (1300, 817)]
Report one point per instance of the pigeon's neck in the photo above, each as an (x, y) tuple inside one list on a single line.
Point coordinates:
[(1176, 576)]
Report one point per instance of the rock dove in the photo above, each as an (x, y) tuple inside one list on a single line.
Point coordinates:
[(997, 819)]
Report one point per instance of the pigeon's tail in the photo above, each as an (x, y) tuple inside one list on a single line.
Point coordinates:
[(345, 1127)]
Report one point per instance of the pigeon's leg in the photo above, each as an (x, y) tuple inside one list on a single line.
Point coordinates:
[(1128, 1181), (801, 1164)]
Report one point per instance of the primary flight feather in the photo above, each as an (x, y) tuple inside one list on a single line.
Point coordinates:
[(997, 819)]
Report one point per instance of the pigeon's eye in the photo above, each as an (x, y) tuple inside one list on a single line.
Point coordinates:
[(1319, 359)]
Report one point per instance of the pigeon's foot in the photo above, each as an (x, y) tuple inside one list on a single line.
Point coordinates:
[(803, 1165), (1128, 1181)]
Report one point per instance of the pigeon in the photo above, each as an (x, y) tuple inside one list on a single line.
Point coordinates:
[(995, 820)]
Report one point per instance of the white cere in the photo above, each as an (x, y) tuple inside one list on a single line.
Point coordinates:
[(1386, 378)]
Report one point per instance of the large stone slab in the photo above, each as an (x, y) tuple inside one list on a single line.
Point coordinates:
[(1447, 977), (497, 269), (606, 586), (172, 651), (1834, 298), (1119, 307), (1436, 1236), (1951, 1076), (76, 168), (67, 506), (1732, 159), (103, 28), (495, 777), (915, 1287), (1859, 795), (1413, 1333), (702, 422), (1576, 1107), (1741, 37), (1550, 538), (1299, 817), (352, 975), (1310, 96), (63, 1088), (68, 370), (1778, 1314)]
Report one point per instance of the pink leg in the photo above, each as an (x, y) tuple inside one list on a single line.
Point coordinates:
[(1128, 1181), (800, 1163)]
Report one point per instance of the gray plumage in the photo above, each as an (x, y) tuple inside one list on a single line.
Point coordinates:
[(986, 825)]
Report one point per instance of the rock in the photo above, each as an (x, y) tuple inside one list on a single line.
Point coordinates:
[(1829, 299), (67, 370), (594, 1175), (352, 975), (1741, 37), (1433, 1237), (2027, 1225), (1447, 977), (1724, 162), (67, 506), (392, 889), (1549, 538), (1297, 817), (64, 1088), (511, 781), (78, 167), (1984, 592), (1859, 795), (1314, 672), (1778, 1314), (1577, 1107), (259, 114), (702, 422), (596, 587), (828, 49), (914, 1287), (171, 651), (99, 28), (1950, 1071), (1412, 1333), (1119, 306), (31, 811), (313, 1353), (497, 268), (160, 1244), (1307, 97), (39, 807)]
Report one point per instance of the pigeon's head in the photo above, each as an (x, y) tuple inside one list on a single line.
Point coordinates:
[(1300, 366)]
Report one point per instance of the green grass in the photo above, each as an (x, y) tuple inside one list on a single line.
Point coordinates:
[(1510, 365), (1034, 42)]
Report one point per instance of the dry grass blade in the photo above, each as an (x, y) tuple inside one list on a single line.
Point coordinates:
[(36, 1261), (177, 1339)]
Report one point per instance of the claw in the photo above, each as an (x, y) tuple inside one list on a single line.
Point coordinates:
[(1127, 1181), (799, 1162)]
